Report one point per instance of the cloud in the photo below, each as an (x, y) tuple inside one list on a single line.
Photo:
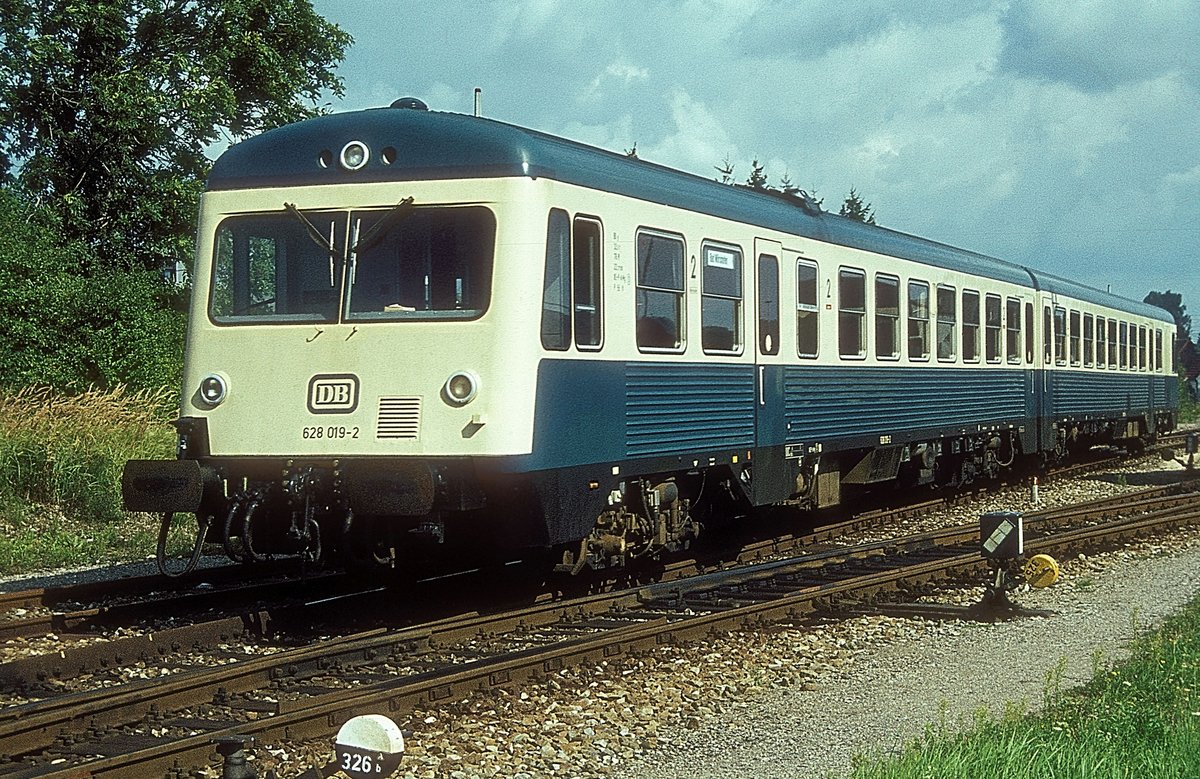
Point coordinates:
[(810, 29), (620, 73), (696, 141), (1096, 45)]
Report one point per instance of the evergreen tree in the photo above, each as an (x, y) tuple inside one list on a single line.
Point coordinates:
[(855, 208), (726, 170), (757, 179)]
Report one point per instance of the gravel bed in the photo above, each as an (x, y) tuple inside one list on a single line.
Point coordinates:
[(804, 702)]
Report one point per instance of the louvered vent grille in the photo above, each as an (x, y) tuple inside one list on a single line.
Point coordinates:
[(399, 418)]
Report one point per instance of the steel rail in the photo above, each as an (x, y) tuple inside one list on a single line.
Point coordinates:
[(321, 715)]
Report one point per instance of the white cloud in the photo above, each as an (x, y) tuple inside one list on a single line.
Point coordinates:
[(621, 73), (696, 141)]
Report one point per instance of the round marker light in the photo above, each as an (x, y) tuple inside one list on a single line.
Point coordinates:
[(461, 388), (355, 155), (213, 389)]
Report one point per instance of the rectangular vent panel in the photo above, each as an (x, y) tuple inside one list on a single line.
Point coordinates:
[(399, 418)]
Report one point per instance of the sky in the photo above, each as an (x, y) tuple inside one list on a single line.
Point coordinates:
[(1059, 134)]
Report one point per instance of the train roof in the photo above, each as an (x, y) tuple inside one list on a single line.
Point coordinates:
[(412, 145)]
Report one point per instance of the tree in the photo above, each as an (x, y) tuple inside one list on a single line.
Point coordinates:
[(787, 187), (107, 107), (854, 208), (73, 331), (1173, 303), (757, 179), (726, 170)]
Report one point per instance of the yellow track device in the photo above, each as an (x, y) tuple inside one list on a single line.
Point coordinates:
[(1041, 571)]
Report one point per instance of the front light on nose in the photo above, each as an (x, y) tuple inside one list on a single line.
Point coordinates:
[(461, 388), (214, 389)]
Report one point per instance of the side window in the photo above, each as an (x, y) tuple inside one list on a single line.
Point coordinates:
[(806, 308), (1158, 356), (947, 321), (556, 285), (768, 304), (1101, 343), (1060, 335), (1143, 348), (1029, 339), (721, 301), (970, 326), (1076, 336), (918, 320), (887, 317), (1123, 345), (589, 319), (1113, 346), (659, 295), (852, 312), (1012, 345), (1089, 339), (991, 328)]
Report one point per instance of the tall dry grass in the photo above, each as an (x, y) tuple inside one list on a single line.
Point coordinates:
[(67, 451)]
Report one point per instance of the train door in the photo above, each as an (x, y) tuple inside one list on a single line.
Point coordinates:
[(772, 481)]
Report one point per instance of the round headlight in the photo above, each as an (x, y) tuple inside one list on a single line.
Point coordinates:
[(461, 388), (355, 155), (213, 389)]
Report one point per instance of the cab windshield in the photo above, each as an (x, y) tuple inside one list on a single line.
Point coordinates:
[(369, 264)]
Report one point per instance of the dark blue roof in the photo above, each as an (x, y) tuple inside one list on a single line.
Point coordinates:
[(434, 145)]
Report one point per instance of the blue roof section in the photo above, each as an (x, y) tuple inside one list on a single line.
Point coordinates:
[(435, 145), (1059, 286)]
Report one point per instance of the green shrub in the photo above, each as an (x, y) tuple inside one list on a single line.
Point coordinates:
[(71, 322)]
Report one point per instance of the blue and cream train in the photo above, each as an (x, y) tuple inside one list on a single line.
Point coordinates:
[(415, 331)]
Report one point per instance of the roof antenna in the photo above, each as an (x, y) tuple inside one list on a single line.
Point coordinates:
[(478, 97)]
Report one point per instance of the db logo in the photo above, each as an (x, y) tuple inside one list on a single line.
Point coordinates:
[(333, 393)]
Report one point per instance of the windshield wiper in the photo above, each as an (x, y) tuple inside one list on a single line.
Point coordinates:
[(399, 211), (310, 228)]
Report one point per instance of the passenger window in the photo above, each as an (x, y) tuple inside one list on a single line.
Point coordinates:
[(1012, 344), (918, 320), (1060, 335), (970, 324), (659, 295), (1158, 343), (1076, 339), (852, 312), (1143, 348), (1123, 348), (1089, 341), (1113, 346), (1101, 343), (887, 317), (768, 304), (947, 321), (556, 284), (991, 328), (721, 303), (806, 309), (585, 268)]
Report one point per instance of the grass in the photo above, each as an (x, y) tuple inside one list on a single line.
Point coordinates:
[(60, 472), (1138, 719), (1189, 411)]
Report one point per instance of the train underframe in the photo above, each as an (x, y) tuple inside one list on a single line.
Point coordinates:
[(422, 516)]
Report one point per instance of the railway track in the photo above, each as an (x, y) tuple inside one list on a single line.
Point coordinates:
[(170, 724)]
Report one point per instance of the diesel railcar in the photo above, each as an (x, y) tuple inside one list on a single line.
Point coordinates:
[(416, 335)]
